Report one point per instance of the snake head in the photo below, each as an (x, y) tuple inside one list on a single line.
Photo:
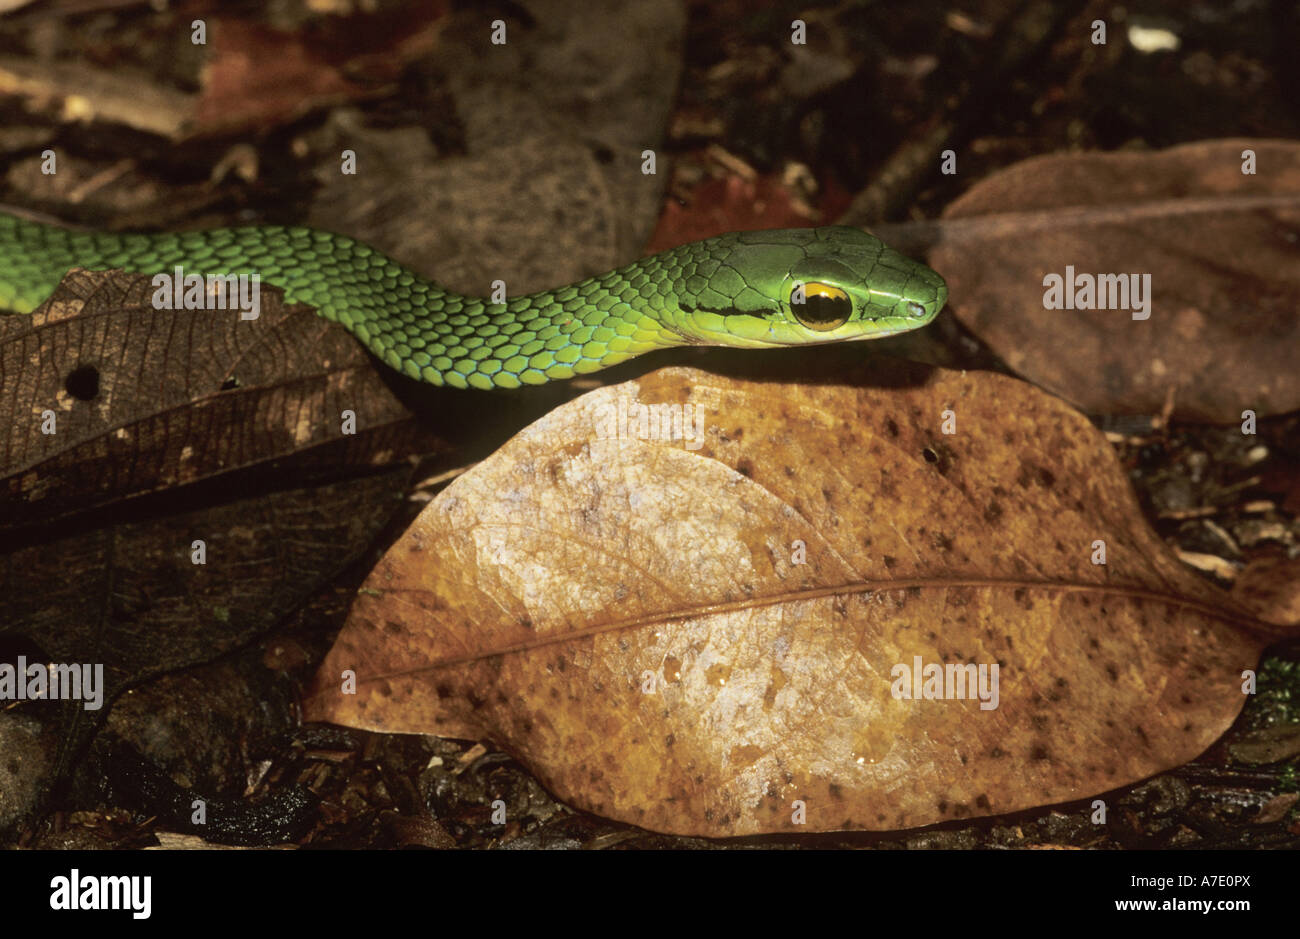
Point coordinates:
[(799, 287)]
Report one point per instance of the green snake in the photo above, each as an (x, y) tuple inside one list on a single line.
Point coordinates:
[(750, 289)]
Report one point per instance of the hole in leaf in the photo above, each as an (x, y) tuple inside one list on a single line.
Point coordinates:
[(83, 382)]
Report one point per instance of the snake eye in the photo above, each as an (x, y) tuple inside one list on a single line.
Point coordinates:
[(824, 307)]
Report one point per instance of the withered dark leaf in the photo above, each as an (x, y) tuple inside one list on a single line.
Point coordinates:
[(1224, 285), (148, 400)]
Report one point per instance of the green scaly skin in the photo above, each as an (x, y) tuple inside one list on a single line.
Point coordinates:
[(732, 290)]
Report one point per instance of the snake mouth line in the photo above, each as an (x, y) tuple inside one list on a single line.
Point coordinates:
[(729, 341), (801, 343), (882, 334)]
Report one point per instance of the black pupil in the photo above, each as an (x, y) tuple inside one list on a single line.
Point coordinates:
[(825, 310)]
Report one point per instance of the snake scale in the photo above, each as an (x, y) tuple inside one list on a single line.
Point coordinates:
[(750, 289)]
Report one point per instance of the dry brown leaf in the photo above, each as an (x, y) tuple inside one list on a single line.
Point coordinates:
[(624, 615), (1225, 285), (1270, 745), (1270, 588), (1276, 808), (257, 76), (117, 96)]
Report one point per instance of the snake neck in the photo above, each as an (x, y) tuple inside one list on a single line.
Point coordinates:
[(470, 342)]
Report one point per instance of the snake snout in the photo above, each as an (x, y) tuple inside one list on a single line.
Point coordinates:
[(927, 298)]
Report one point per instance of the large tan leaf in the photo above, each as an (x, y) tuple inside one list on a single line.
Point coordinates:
[(1222, 331), (625, 617)]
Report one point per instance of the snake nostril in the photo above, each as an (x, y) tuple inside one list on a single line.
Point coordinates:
[(915, 309)]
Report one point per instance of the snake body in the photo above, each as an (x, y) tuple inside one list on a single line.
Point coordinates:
[(752, 289)]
